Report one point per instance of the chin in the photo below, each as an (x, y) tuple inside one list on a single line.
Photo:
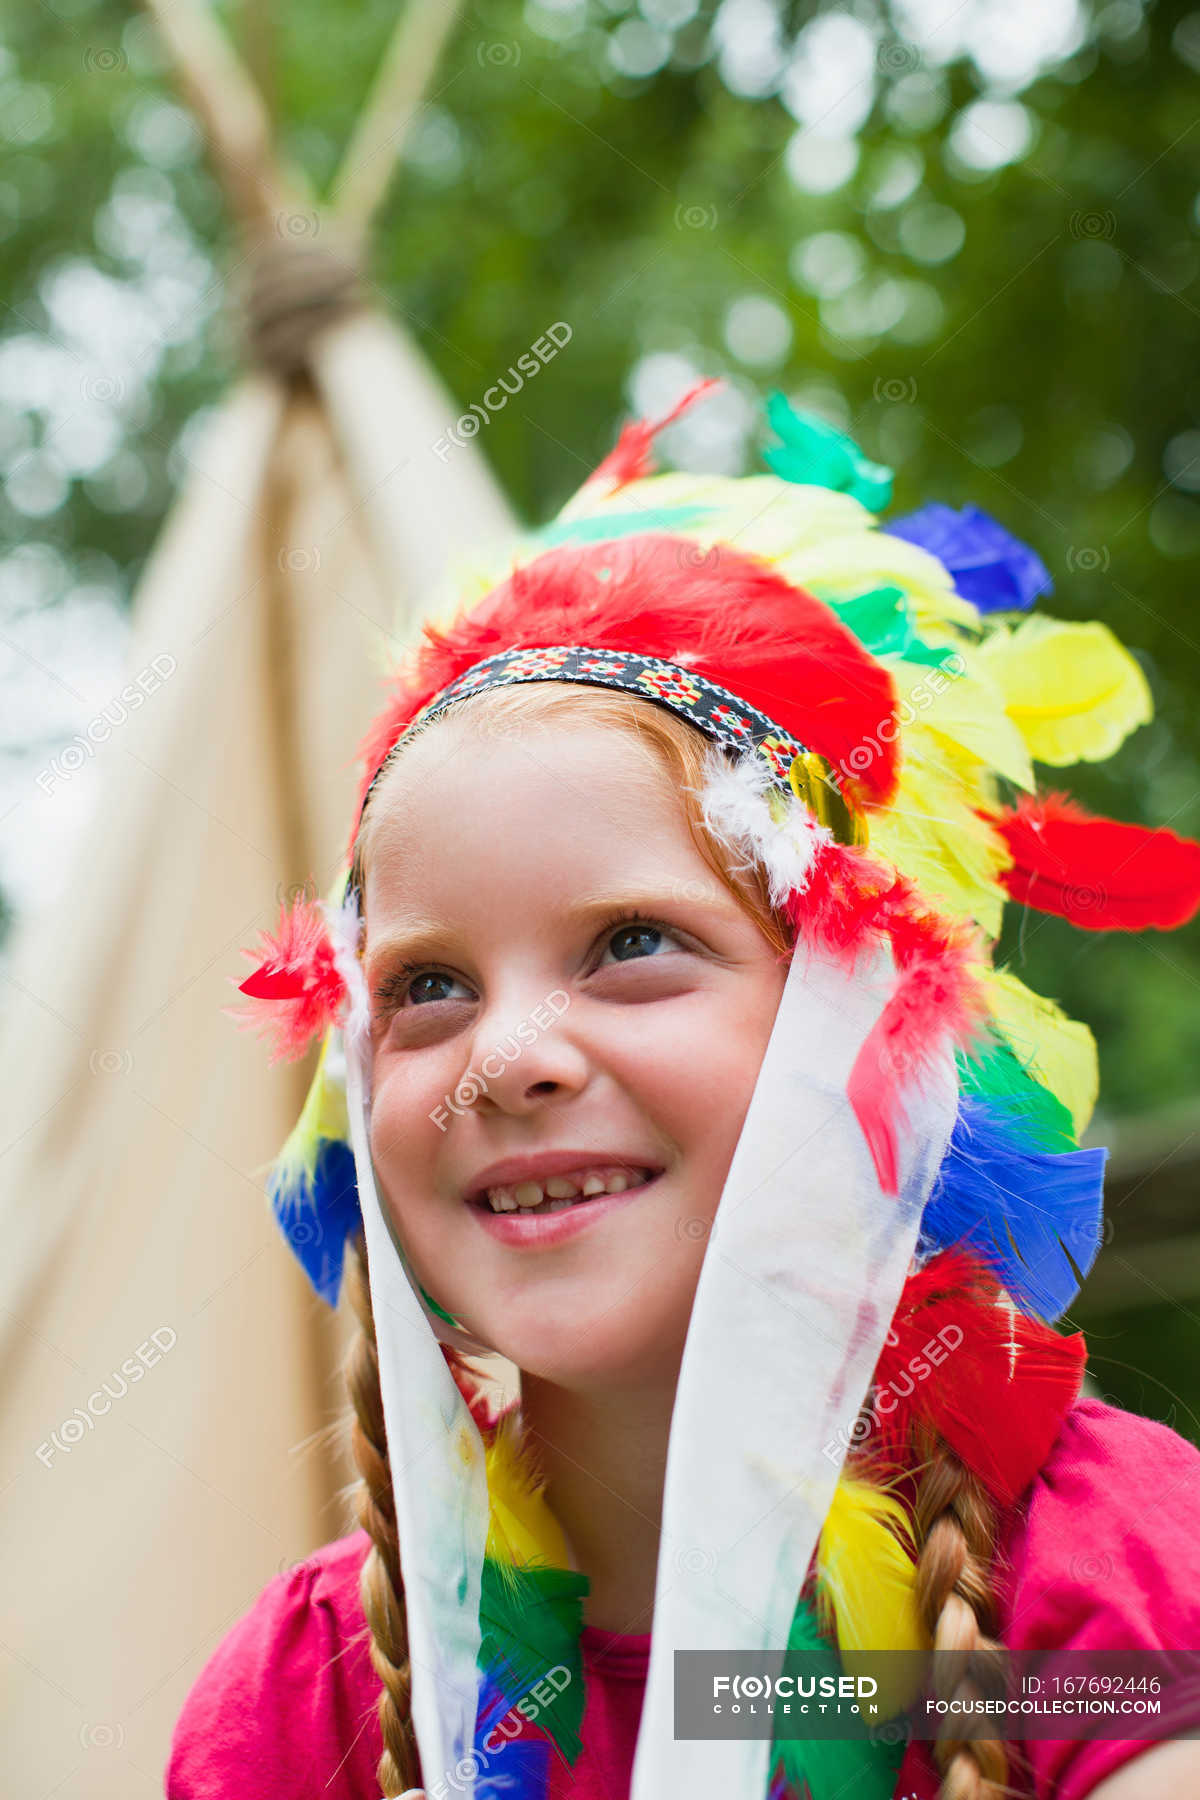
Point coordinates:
[(594, 1347)]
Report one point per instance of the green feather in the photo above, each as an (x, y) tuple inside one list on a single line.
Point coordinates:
[(882, 621), (530, 1619), (441, 1312), (998, 1077), (817, 454), (833, 1768), (594, 530)]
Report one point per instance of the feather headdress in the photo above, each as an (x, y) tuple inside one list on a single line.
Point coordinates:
[(874, 693)]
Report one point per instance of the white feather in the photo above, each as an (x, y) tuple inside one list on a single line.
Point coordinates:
[(345, 932), (734, 798)]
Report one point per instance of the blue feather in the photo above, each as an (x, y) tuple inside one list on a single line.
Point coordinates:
[(512, 1766), (317, 1211), (992, 569), (1028, 1213)]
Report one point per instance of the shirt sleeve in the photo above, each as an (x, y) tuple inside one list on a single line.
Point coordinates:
[(1108, 1558), (283, 1706)]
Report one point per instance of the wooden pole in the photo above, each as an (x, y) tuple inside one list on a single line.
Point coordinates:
[(387, 118)]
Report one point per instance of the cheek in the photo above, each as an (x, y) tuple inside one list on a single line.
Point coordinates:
[(405, 1146), (395, 1134), (411, 1096), (406, 1140), (695, 1075)]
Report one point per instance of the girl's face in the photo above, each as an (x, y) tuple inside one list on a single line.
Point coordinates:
[(558, 984)]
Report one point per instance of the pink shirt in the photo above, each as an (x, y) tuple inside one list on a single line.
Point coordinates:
[(1103, 1553)]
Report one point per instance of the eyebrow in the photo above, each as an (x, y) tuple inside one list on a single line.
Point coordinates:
[(420, 935)]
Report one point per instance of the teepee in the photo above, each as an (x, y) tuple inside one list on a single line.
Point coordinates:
[(167, 1441)]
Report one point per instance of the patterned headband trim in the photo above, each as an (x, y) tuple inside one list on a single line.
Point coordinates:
[(721, 715)]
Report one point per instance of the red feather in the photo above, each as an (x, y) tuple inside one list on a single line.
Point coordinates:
[(297, 988), (1101, 875), (728, 615), (472, 1385), (630, 459), (935, 998), (994, 1383), (851, 901)]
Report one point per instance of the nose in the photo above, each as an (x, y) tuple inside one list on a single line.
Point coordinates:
[(525, 1053)]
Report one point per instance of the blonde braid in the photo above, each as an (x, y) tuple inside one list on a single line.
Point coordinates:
[(955, 1526), (382, 1585)]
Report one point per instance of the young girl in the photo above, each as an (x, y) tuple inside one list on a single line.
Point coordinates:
[(664, 1056)]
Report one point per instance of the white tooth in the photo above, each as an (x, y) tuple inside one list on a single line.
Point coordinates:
[(617, 1182), (501, 1199), (528, 1193), (594, 1184), (557, 1205), (561, 1187)]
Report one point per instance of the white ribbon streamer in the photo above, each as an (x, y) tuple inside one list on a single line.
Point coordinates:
[(802, 1276), (439, 1480)]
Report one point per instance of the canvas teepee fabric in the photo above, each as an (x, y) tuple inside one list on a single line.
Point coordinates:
[(169, 1379)]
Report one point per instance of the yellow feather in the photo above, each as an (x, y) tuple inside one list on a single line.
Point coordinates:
[(323, 1115), (1073, 690), (846, 566), (760, 514), (968, 708), (1059, 1051), (866, 1579), (522, 1530), (932, 833)]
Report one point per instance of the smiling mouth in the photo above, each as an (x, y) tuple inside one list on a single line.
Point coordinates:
[(558, 1192)]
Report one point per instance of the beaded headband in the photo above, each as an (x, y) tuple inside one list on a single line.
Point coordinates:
[(722, 715)]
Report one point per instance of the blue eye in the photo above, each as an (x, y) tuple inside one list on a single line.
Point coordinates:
[(419, 991), (401, 990), (632, 943)]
